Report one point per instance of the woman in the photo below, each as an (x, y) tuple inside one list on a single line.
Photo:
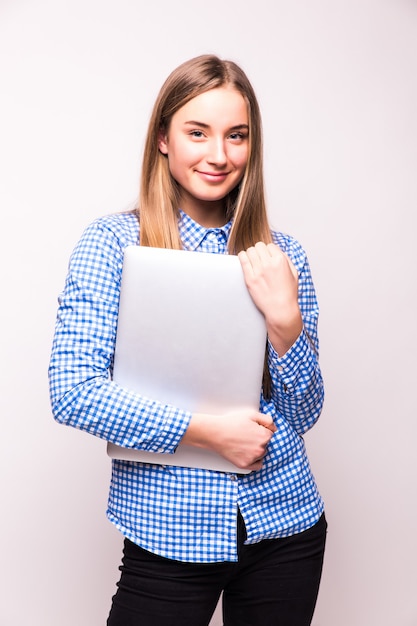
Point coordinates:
[(191, 534)]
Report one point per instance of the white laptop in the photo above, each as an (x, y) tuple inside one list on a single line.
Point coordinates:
[(188, 335)]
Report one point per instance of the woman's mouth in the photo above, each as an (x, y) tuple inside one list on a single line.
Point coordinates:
[(213, 177)]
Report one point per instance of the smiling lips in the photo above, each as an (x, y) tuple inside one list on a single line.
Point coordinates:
[(215, 177)]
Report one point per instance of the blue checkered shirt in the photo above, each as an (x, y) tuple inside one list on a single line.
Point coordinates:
[(182, 513)]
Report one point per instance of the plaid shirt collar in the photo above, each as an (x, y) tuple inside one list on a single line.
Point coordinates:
[(192, 234)]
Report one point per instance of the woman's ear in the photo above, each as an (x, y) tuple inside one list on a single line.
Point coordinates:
[(163, 142)]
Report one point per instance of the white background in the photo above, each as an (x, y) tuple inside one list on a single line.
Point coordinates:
[(337, 84)]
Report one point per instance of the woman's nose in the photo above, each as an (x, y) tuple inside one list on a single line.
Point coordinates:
[(217, 154)]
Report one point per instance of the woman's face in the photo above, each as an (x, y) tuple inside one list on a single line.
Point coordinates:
[(207, 146)]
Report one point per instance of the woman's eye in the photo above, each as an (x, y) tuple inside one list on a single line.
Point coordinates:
[(237, 136), (197, 133)]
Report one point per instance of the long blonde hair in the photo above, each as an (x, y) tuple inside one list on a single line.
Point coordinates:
[(159, 192)]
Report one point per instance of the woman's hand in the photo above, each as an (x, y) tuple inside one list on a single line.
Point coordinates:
[(272, 281), (240, 437)]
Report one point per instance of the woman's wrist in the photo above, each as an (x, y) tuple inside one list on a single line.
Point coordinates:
[(198, 431), (283, 334)]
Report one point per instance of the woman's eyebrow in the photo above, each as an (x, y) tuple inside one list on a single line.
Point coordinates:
[(196, 123), (240, 127), (203, 125)]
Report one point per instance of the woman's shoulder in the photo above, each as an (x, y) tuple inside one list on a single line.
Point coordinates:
[(106, 238), (291, 247), (123, 221), (122, 228)]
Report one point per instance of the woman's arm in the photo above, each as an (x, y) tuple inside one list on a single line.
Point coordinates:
[(279, 281), (281, 286), (82, 392)]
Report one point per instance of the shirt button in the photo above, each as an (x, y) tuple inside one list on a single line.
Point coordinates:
[(233, 477), (211, 236)]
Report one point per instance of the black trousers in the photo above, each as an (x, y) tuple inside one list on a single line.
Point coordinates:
[(274, 583)]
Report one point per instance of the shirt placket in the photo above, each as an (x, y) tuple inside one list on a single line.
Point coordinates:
[(214, 241)]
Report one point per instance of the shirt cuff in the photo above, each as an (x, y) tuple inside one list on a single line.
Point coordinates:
[(287, 367), (172, 430)]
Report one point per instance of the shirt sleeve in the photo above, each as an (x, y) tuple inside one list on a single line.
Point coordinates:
[(81, 390), (297, 386)]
